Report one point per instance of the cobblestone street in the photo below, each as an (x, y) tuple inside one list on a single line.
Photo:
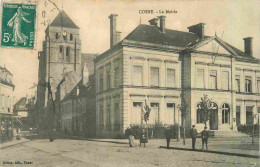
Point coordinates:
[(66, 152)]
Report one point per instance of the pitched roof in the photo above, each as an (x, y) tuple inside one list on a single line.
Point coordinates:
[(63, 20), (242, 56), (7, 83), (5, 70), (152, 34), (21, 104)]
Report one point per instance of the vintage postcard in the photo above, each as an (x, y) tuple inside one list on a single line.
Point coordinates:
[(119, 83)]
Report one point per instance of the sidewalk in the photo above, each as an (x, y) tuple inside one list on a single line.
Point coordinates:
[(13, 143)]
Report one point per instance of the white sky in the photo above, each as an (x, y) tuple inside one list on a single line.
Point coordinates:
[(238, 19)]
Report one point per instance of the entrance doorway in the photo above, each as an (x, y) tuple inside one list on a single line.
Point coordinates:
[(213, 120)]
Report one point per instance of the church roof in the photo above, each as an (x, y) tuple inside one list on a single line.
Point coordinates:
[(63, 20)]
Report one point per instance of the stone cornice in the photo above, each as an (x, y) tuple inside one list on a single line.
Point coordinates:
[(213, 64), (171, 61)]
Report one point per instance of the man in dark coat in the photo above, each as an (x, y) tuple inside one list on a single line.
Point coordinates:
[(205, 136), (168, 136), (193, 134)]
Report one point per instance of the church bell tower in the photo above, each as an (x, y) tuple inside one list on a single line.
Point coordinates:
[(62, 48)]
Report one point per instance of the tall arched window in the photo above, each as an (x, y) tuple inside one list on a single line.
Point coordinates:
[(61, 49), (201, 116), (71, 37), (68, 54), (225, 113)]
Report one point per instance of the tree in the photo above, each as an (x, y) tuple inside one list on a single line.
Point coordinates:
[(183, 109), (146, 115), (205, 106)]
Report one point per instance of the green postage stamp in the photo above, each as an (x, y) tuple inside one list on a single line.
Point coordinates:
[(18, 25)]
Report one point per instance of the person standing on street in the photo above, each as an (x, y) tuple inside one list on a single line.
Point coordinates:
[(168, 136), (193, 134), (131, 138), (18, 132), (205, 136), (52, 135)]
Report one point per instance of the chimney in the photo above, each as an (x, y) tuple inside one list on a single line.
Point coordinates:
[(113, 32), (118, 36), (162, 23), (248, 46), (198, 29), (154, 22), (85, 74)]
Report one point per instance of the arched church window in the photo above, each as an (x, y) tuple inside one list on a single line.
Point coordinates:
[(68, 54), (61, 49), (57, 35), (225, 113), (71, 37)]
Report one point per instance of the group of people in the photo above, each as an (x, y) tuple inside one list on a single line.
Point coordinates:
[(143, 138), (169, 135), (193, 135), (204, 137)]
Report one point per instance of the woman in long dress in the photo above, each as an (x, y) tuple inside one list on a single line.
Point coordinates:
[(16, 24)]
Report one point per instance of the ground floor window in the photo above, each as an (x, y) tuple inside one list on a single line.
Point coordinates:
[(238, 115), (249, 112), (108, 115), (258, 111), (170, 113), (101, 121), (116, 116), (154, 115), (225, 113), (136, 116)]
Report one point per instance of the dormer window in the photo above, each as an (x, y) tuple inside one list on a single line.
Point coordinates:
[(71, 37)]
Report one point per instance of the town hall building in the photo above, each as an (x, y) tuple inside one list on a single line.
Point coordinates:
[(164, 67)]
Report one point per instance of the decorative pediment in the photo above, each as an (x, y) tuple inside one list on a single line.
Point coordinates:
[(213, 46)]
